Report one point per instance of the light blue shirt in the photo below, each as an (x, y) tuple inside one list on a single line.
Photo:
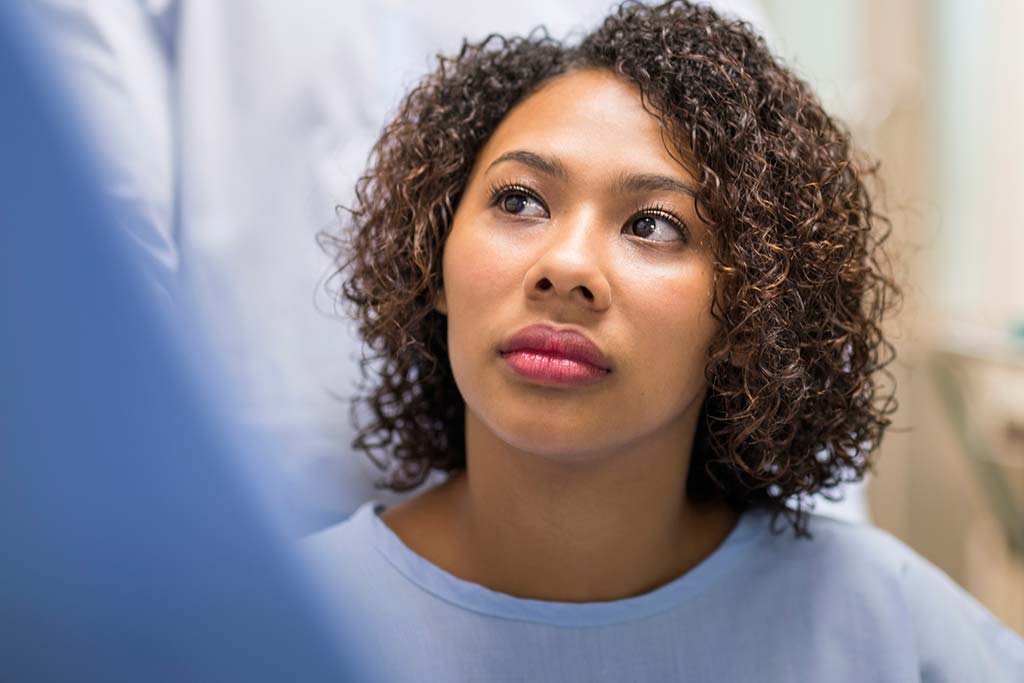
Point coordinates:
[(851, 604)]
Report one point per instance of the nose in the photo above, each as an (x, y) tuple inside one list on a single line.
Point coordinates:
[(570, 265)]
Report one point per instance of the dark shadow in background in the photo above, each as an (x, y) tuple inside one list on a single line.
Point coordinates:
[(133, 543)]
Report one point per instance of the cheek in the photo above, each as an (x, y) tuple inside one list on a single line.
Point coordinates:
[(478, 274), (670, 313), (481, 282), (478, 278)]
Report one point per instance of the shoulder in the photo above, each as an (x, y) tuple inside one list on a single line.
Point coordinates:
[(835, 551), (346, 549), (348, 565), (855, 545), (324, 535), (857, 556), (865, 570)]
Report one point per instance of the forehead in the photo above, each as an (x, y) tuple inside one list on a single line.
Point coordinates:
[(592, 120)]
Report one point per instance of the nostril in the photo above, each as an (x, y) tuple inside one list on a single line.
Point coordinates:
[(544, 284), (587, 293)]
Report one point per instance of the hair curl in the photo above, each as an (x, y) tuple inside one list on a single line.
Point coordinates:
[(793, 405)]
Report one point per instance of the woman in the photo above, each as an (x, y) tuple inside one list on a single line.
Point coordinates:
[(627, 294)]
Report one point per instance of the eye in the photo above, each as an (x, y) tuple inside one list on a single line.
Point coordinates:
[(657, 224), (518, 201)]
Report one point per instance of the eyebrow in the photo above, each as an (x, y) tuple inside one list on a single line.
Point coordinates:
[(626, 183)]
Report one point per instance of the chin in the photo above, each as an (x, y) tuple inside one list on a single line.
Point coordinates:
[(548, 437)]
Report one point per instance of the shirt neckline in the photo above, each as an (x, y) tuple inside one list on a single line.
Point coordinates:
[(479, 598)]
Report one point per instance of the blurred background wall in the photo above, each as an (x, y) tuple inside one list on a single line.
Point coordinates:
[(934, 89)]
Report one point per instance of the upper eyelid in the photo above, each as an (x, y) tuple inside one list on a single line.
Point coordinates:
[(666, 214), (501, 189)]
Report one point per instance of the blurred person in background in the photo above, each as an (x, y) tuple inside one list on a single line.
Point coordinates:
[(669, 190), (230, 131)]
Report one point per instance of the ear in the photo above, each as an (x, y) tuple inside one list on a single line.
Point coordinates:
[(441, 302)]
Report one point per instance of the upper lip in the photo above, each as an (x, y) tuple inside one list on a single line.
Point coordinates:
[(565, 343)]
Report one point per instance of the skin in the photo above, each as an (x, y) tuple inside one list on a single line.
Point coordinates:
[(575, 494)]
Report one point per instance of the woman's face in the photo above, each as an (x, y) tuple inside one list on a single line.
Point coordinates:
[(567, 221)]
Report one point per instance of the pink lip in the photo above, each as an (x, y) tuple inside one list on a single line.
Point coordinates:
[(542, 353)]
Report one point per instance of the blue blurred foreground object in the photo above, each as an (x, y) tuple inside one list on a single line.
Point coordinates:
[(136, 543)]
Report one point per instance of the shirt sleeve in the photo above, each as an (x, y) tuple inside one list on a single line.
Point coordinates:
[(957, 638)]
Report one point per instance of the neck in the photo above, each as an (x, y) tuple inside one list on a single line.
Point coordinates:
[(601, 528)]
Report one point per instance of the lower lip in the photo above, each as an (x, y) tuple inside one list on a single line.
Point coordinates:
[(550, 369)]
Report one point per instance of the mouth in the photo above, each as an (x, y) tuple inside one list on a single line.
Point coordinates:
[(562, 357)]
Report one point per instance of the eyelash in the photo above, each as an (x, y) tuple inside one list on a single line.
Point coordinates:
[(500, 190)]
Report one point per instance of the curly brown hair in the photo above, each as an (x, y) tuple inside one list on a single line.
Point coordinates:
[(794, 405)]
